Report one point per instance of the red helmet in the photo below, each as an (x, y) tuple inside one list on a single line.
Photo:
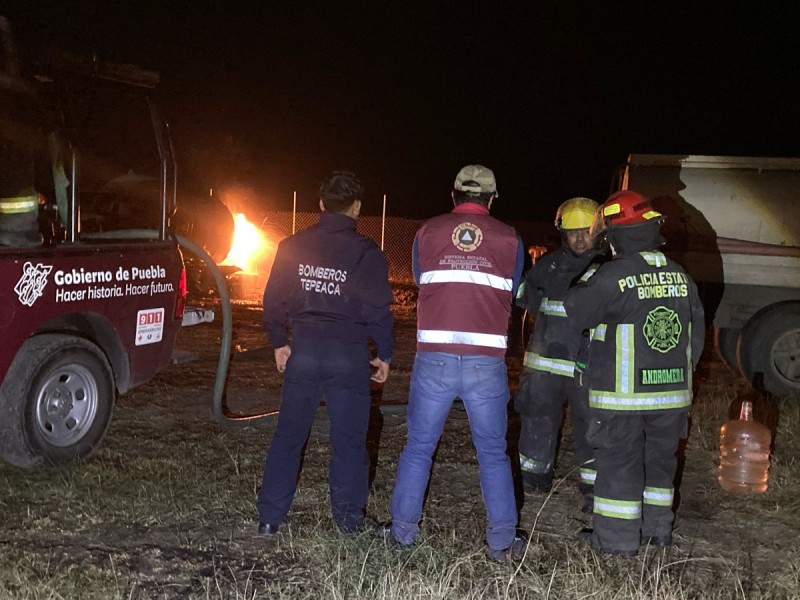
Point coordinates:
[(624, 208)]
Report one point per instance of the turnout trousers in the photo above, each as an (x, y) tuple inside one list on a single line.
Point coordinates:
[(340, 372), (636, 460), (540, 400)]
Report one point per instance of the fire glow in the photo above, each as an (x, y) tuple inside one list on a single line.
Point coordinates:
[(251, 249)]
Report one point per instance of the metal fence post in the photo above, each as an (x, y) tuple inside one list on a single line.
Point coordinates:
[(383, 221)]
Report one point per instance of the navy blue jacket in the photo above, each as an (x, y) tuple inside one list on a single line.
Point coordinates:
[(330, 282)]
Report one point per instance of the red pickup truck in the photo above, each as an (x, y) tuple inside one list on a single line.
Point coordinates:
[(90, 305)]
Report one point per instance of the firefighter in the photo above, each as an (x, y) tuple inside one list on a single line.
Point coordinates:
[(330, 286), (647, 332), (547, 379)]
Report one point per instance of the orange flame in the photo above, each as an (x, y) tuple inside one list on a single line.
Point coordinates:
[(251, 247)]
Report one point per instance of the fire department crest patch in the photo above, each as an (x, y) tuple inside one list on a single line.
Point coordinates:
[(467, 237), (662, 329)]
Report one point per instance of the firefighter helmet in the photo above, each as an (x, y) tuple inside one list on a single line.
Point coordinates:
[(575, 213), (625, 208)]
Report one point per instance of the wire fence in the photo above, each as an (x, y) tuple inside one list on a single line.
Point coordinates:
[(397, 235)]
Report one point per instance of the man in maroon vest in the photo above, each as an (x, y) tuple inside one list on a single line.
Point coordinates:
[(467, 265)]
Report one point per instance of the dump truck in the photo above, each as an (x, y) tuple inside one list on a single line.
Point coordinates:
[(87, 311), (734, 223)]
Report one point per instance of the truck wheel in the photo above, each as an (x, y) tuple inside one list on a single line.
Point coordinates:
[(725, 341), (771, 345), (58, 396)]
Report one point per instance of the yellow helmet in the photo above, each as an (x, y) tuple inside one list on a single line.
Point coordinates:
[(576, 213)]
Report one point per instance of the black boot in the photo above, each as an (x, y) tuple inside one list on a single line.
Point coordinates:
[(537, 482), (587, 537), (661, 541)]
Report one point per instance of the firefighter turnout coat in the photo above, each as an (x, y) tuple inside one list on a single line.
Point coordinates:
[(553, 346), (647, 331)]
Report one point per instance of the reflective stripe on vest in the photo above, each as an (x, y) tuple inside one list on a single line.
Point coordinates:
[(646, 401), (555, 366), (617, 509), (531, 465), (654, 259), (474, 277), (434, 336), (658, 496), (554, 308), (689, 366), (588, 475), (589, 272), (18, 205), (625, 359), (598, 333)]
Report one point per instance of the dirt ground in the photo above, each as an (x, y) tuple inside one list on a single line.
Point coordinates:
[(169, 497)]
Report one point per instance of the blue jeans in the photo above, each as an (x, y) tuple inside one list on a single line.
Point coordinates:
[(340, 372), (482, 384)]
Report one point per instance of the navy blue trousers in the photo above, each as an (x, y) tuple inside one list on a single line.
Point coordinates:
[(340, 372)]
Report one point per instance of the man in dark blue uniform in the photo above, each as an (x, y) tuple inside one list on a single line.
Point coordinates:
[(330, 286)]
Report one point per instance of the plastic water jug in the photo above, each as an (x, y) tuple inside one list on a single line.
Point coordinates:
[(744, 454)]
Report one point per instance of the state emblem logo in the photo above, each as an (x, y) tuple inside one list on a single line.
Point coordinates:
[(662, 329), (30, 286), (467, 237)]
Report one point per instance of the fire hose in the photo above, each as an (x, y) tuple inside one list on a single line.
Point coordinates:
[(221, 379), (217, 408)]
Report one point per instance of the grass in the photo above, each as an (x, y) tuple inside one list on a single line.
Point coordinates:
[(175, 521), (165, 509)]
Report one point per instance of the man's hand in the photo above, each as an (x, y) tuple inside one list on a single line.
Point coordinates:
[(382, 373), (282, 354)]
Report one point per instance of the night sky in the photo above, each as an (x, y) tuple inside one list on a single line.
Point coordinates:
[(552, 96)]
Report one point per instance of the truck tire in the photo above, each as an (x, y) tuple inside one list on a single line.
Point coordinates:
[(771, 344), (726, 340), (58, 397)]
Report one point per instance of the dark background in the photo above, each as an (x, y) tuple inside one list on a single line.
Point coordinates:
[(552, 96)]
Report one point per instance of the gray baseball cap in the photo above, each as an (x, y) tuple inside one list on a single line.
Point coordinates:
[(476, 179)]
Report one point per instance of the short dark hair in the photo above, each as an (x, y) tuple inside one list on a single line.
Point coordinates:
[(340, 190), (460, 197)]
